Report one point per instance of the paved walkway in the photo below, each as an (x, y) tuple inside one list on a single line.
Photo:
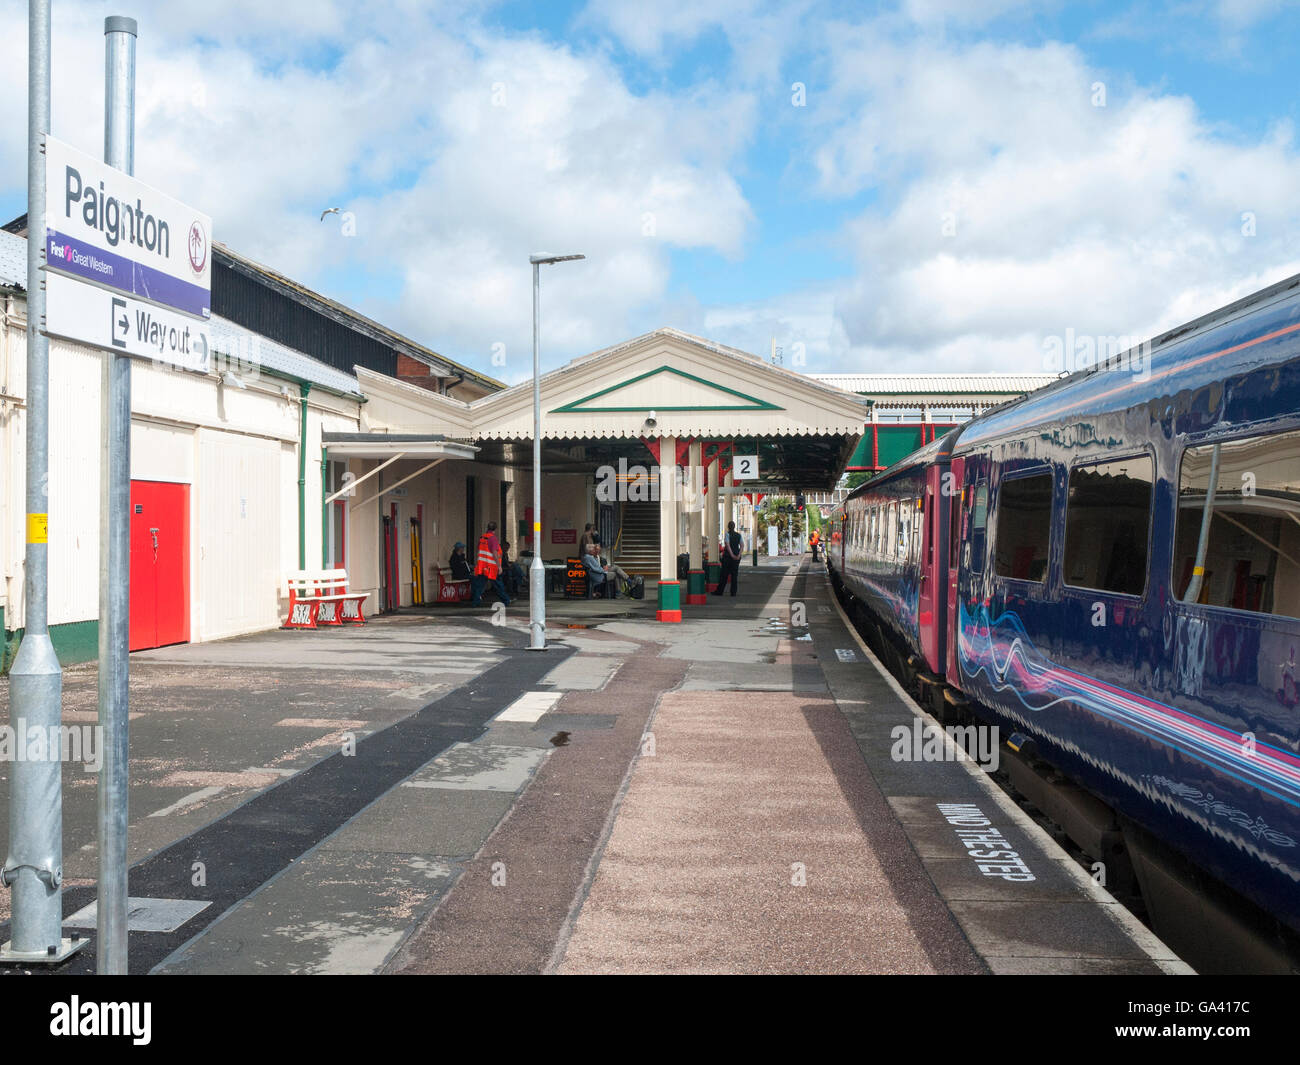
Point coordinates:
[(749, 844)]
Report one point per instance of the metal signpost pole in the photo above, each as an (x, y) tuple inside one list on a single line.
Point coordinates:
[(536, 570), (115, 542), (34, 866)]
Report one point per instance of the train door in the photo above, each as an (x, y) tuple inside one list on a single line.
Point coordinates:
[(160, 564), (957, 505), (933, 594)]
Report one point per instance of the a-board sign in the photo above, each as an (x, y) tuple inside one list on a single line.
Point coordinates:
[(575, 579)]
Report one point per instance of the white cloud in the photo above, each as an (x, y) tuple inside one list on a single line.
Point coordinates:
[(1010, 207), (1123, 219), (460, 151)]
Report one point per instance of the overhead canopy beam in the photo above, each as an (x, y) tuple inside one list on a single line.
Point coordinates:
[(351, 485), (398, 484)]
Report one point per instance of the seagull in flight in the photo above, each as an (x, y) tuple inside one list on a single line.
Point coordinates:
[(331, 210)]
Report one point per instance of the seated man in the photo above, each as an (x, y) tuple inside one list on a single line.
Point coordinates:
[(511, 572), (458, 563), (596, 575)]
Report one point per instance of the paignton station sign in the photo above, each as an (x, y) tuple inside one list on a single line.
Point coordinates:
[(128, 268)]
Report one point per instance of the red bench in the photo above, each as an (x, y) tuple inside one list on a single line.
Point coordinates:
[(321, 597), (451, 591)]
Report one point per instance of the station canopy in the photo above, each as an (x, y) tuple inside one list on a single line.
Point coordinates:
[(620, 402)]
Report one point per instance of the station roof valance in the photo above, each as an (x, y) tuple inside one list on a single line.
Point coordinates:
[(388, 445), (616, 402)]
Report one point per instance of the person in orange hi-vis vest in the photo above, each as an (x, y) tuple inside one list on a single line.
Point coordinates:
[(487, 567), (814, 541)]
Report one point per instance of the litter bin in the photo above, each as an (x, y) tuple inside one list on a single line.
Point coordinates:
[(683, 566)]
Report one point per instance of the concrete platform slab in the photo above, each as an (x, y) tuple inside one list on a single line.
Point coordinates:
[(334, 913), (479, 767), (430, 821)]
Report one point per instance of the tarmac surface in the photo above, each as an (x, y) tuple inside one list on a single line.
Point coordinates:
[(425, 795)]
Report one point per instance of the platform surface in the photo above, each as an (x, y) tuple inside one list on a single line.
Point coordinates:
[(424, 794)]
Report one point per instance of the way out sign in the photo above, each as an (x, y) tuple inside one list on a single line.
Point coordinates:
[(744, 468), (118, 322)]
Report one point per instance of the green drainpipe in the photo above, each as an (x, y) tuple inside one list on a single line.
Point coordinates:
[(324, 511), (302, 480)]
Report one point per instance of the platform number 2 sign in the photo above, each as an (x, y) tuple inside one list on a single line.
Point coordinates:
[(745, 468)]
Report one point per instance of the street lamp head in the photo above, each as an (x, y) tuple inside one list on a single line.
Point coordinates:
[(541, 260)]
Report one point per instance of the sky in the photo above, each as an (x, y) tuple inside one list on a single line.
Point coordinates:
[(923, 185)]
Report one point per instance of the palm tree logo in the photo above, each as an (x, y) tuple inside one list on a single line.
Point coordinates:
[(198, 241)]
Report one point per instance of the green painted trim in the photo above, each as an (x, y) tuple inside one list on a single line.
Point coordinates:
[(324, 512), (303, 389), (695, 582), (715, 573), (670, 595), (575, 407), (74, 642)]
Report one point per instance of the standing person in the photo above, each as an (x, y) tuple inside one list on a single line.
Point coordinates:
[(487, 570), (733, 547), (814, 541), (588, 545)]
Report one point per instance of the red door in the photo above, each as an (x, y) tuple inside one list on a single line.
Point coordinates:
[(956, 522), (160, 564), (932, 591)]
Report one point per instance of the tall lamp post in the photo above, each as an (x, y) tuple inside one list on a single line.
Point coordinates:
[(536, 571)]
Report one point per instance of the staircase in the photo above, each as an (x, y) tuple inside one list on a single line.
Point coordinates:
[(637, 548)]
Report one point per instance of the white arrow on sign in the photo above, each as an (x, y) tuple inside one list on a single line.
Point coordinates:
[(117, 322)]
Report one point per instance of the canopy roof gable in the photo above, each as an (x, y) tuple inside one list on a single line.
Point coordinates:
[(665, 388), (694, 387)]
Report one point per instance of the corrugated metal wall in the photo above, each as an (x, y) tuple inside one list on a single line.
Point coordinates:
[(74, 483), (248, 302)]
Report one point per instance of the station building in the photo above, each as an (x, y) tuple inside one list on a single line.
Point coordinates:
[(320, 439), (228, 469)]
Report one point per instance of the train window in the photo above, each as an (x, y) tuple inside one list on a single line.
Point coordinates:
[(918, 521), (955, 506), (1024, 527), (1250, 557), (1107, 524), (979, 516), (904, 526), (929, 530)]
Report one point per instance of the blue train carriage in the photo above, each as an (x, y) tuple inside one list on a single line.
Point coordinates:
[(889, 560), (1127, 587)]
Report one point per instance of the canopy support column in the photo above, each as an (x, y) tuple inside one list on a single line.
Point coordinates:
[(712, 564), (694, 501), (670, 590)]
